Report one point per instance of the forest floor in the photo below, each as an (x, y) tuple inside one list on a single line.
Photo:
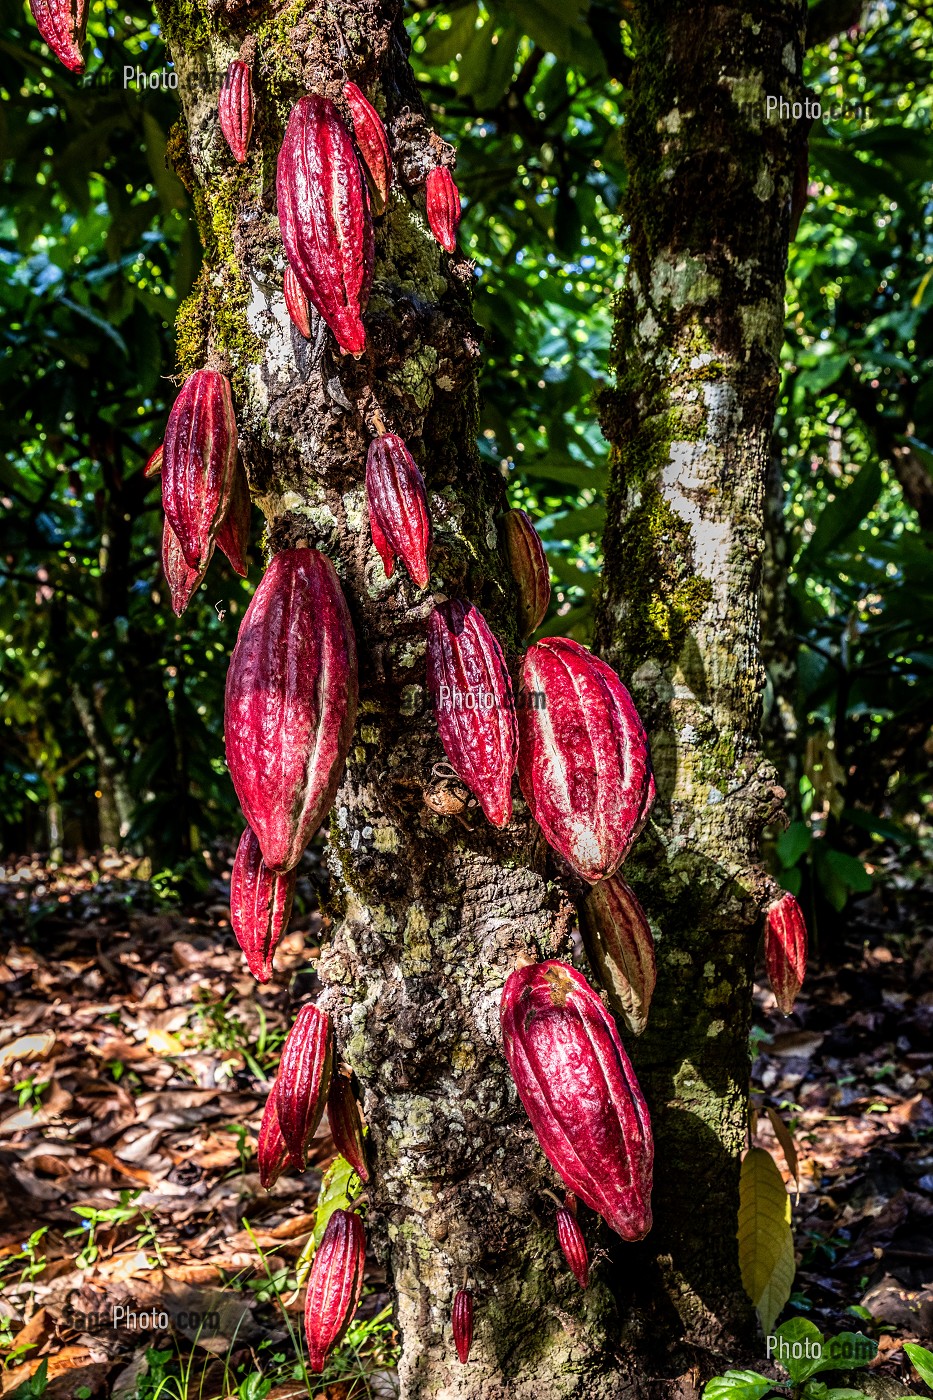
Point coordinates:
[(134, 1055)]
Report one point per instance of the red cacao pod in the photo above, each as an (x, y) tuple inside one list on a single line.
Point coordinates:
[(373, 145), (325, 219), (580, 1092), (620, 947), (260, 905), (233, 535), (571, 1241), (296, 302), (181, 580), (62, 24), (334, 1285), (472, 695), (291, 703), (346, 1126), (199, 463), (786, 950), (583, 761), (398, 508), (304, 1080), (271, 1152), (154, 463), (461, 1318), (443, 200), (235, 108), (529, 568)]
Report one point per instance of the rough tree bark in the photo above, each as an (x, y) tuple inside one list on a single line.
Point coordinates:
[(433, 910)]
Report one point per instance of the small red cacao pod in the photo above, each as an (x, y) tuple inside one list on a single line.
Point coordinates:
[(373, 145), (785, 950), (154, 463), (346, 1126), (443, 199), (472, 694), (235, 108), (199, 462), (334, 1285), (296, 302), (325, 219), (583, 761), (260, 905), (620, 947), (528, 563), (291, 703), (233, 535), (571, 1241), (62, 24), (271, 1152), (398, 507), (181, 580), (461, 1317), (303, 1081), (580, 1092)]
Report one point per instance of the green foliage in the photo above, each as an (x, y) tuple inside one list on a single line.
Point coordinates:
[(798, 1347)]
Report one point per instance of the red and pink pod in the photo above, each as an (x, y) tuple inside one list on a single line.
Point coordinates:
[(443, 201), (398, 508), (785, 950), (334, 1285), (235, 108)]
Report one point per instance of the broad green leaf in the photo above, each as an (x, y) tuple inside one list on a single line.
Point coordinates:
[(921, 1359), (846, 1351), (797, 1346), (794, 842), (738, 1385), (766, 1245), (840, 516)]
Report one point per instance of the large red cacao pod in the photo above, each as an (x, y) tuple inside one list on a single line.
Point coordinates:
[(528, 563), (472, 695), (334, 1285), (62, 24), (325, 219), (346, 1126), (291, 703), (570, 1238), (181, 580), (580, 1092), (260, 905), (373, 145), (304, 1081), (583, 761), (443, 201), (233, 535), (398, 508), (461, 1318), (235, 108), (620, 947), (271, 1152), (786, 950), (199, 463), (296, 302)]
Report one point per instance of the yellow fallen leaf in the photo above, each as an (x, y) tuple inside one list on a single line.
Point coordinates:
[(163, 1042)]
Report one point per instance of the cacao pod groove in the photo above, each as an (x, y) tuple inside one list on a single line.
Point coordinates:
[(373, 145), (461, 1318), (398, 508), (620, 947), (271, 1152), (334, 1285), (303, 1081), (529, 568), (443, 203), (786, 950), (346, 1127), (235, 108), (472, 694), (181, 580), (233, 535), (583, 761), (580, 1092), (198, 463), (260, 905), (62, 24), (570, 1238), (296, 302), (291, 703)]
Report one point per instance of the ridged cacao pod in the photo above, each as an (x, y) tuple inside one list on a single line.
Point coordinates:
[(443, 201), (271, 1152), (583, 761), (580, 1092), (373, 145), (325, 219), (472, 695), (181, 580), (304, 1081), (346, 1126), (199, 463), (154, 463), (461, 1318), (235, 108), (398, 508), (334, 1285), (528, 563), (62, 24), (570, 1238), (260, 905), (296, 302), (233, 535), (620, 947), (786, 950), (291, 703)]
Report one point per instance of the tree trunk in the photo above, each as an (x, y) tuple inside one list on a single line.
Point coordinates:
[(697, 337)]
